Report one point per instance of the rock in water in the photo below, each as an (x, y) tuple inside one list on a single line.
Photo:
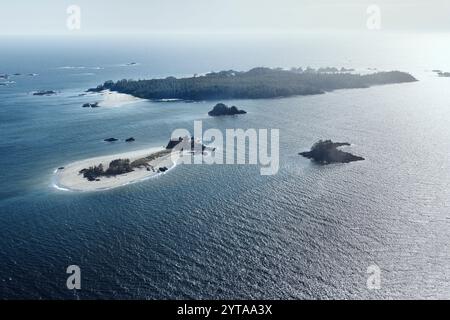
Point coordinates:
[(186, 144), (221, 109), (44, 93), (326, 152), (444, 74), (91, 105)]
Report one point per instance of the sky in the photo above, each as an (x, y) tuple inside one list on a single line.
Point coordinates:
[(220, 16)]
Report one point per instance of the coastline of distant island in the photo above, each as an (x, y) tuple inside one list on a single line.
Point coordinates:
[(257, 83)]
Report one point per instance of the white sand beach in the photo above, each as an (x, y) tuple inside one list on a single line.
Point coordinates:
[(114, 99), (69, 178)]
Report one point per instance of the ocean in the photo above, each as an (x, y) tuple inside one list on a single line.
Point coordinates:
[(226, 231)]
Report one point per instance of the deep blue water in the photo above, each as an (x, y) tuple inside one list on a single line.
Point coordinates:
[(225, 231)]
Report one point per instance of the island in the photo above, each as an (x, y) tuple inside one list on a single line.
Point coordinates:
[(90, 105), (44, 93), (441, 73), (106, 172), (221, 109), (326, 152), (253, 84)]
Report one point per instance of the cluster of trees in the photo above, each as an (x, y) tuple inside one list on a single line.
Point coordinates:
[(93, 173), (255, 83), (144, 162), (118, 166)]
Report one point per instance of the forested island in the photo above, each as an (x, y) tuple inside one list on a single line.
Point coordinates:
[(253, 84)]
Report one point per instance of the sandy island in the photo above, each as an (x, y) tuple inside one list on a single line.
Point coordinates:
[(69, 177)]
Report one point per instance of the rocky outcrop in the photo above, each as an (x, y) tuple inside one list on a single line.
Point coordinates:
[(186, 144), (44, 93), (221, 109), (441, 73), (91, 105), (326, 152)]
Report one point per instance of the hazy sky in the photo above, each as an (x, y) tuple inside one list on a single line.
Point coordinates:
[(147, 16)]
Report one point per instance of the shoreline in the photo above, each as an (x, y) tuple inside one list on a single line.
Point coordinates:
[(114, 99), (69, 178)]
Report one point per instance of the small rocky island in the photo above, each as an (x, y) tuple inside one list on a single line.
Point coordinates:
[(221, 109), (441, 73), (44, 93), (131, 139), (326, 152), (111, 140), (187, 144), (90, 105)]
